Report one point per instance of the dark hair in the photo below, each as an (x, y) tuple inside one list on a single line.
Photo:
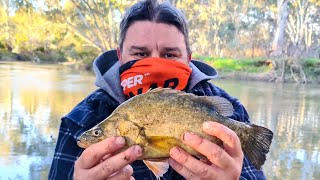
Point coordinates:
[(151, 10)]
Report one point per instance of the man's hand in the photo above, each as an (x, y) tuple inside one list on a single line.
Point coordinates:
[(224, 163), (99, 162)]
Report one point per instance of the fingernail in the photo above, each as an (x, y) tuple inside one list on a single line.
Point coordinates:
[(132, 178), (127, 170), (188, 136), (174, 152), (120, 141), (207, 125), (138, 149)]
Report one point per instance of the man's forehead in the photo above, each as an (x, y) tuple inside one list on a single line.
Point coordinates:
[(146, 30), (150, 47), (147, 36)]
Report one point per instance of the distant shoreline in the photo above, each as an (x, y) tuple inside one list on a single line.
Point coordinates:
[(244, 76), (260, 77)]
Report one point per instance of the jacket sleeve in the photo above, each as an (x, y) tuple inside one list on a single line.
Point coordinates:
[(66, 152), (249, 172)]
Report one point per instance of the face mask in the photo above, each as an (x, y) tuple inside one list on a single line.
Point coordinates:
[(139, 76)]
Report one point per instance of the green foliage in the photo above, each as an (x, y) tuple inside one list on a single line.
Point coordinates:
[(201, 57), (2, 46), (88, 56), (5, 55), (311, 67), (311, 62), (52, 57), (256, 65)]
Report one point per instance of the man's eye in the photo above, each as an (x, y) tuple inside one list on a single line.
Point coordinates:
[(168, 55), (141, 54)]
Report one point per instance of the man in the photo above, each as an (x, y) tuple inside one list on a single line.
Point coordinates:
[(149, 33)]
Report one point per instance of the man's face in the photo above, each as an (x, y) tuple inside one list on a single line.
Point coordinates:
[(149, 39)]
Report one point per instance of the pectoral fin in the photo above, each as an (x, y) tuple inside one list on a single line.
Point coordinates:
[(159, 146), (158, 168)]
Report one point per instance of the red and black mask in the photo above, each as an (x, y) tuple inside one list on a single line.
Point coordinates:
[(139, 76)]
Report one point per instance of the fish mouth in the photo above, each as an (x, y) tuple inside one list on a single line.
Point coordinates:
[(84, 142)]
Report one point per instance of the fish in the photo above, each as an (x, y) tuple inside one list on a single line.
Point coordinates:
[(156, 120)]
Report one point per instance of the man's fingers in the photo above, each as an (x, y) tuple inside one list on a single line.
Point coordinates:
[(213, 152), (115, 166), (230, 139), (124, 173), (189, 165), (183, 171), (93, 154), (105, 157), (116, 162)]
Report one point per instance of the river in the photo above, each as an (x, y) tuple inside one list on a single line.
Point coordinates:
[(33, 98)]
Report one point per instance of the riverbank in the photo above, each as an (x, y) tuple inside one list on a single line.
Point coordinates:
[(264, 69), (257, 69), (269, 76), (78, 60)]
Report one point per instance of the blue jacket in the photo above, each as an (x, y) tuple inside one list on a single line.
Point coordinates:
[(100, 104)]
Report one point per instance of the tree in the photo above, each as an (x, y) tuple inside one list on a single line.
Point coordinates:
[(277, 48), (279, 36), (94, 21), (6, 7)]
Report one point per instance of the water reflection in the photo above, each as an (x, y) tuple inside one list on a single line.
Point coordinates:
[(33, 98), (292, 112)]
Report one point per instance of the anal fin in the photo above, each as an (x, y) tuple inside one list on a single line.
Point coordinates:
[(158, 168)]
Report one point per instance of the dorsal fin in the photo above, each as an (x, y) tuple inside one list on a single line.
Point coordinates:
[(221, 104), (165, 90)]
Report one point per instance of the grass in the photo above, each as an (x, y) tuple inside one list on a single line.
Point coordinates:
[(311, 62), (311, 67), (247, 67), (256, 65)]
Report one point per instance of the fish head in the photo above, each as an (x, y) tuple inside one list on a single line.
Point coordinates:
[(117, 124), (106, 129), (92, 136)]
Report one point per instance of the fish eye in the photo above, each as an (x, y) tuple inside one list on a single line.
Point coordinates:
[(96, 132)]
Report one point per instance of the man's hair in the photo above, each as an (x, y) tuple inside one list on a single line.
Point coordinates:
[(151, 10)]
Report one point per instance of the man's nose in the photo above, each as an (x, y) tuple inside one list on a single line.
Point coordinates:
[(155, 54)]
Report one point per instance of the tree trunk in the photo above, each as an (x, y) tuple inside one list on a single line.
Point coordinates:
[(6, 7), (278, 41), (277, 50)]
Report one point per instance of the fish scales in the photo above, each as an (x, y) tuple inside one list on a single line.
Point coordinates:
[(157, 120), (170, 111)]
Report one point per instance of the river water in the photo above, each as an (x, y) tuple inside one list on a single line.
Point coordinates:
[(34, 97)]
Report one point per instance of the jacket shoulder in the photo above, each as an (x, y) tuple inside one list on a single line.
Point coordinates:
[(205, 68)]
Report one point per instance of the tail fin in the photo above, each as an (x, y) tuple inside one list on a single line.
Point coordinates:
[(258, 145)]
